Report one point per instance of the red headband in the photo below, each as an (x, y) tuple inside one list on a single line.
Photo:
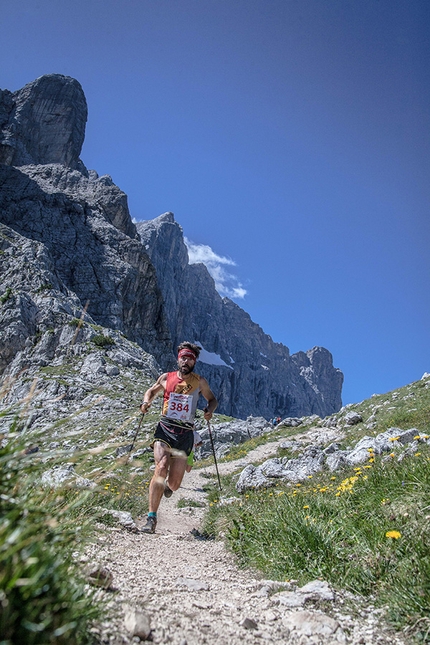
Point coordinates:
[(187, 352)]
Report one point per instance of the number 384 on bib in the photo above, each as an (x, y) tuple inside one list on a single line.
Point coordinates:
[(179, 406)]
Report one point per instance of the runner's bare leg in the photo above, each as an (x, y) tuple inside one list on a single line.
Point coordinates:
[(178, 462), (156, 487)]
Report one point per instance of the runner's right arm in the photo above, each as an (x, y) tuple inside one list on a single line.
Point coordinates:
[(152, 392)]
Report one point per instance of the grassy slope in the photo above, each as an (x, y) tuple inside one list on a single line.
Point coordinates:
[(299, 532), (364, 529)]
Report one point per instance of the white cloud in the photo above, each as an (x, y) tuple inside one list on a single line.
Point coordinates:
[(226, 283)]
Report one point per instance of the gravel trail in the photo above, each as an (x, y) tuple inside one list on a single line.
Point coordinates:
[(189, 591)]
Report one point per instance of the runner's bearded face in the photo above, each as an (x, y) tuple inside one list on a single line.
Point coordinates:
[(186, 363)]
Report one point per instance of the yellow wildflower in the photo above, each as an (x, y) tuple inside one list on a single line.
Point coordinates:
[(417, 454), (346, 485), (307, 506), (395, 535)]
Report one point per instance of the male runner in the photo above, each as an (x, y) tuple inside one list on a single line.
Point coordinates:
[(174, 438)]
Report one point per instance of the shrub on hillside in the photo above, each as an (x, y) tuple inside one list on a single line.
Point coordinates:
[(102, 341)]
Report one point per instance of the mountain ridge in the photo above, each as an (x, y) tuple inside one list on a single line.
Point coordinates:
[(194, 310), (70, 250)]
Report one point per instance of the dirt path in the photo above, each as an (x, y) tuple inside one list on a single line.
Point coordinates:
[(193, 592)]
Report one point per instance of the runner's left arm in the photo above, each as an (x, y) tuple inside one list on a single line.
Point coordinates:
[(210, 398)]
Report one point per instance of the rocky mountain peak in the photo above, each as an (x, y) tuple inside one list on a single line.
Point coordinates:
[(69, 251), (43, 123), (251, 374)]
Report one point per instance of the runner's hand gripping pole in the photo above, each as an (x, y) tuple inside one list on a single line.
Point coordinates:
[(213, 450)]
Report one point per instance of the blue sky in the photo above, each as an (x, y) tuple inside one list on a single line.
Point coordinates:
[(289, 137)]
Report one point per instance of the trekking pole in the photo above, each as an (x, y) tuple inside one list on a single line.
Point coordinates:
[(135, 437), (137, 432), (213, 450)]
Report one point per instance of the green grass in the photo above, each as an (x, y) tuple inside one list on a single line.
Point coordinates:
[(341, 536), (118, 485), (406, 407), (43, 595), (335, 527), (76, 322), (241, 449), (102, 341), (124, 493), (5, 297), (189, 503), (44, 287)]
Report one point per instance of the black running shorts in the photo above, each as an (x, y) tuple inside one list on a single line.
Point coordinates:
[(168, 433)]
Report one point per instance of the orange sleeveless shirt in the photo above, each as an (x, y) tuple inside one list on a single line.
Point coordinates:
[(183, 407)]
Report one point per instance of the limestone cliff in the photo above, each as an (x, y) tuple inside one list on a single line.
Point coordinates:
[(69, 249), (80, 221)]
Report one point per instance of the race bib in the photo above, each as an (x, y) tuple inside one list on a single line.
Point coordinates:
[(179, 407)]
